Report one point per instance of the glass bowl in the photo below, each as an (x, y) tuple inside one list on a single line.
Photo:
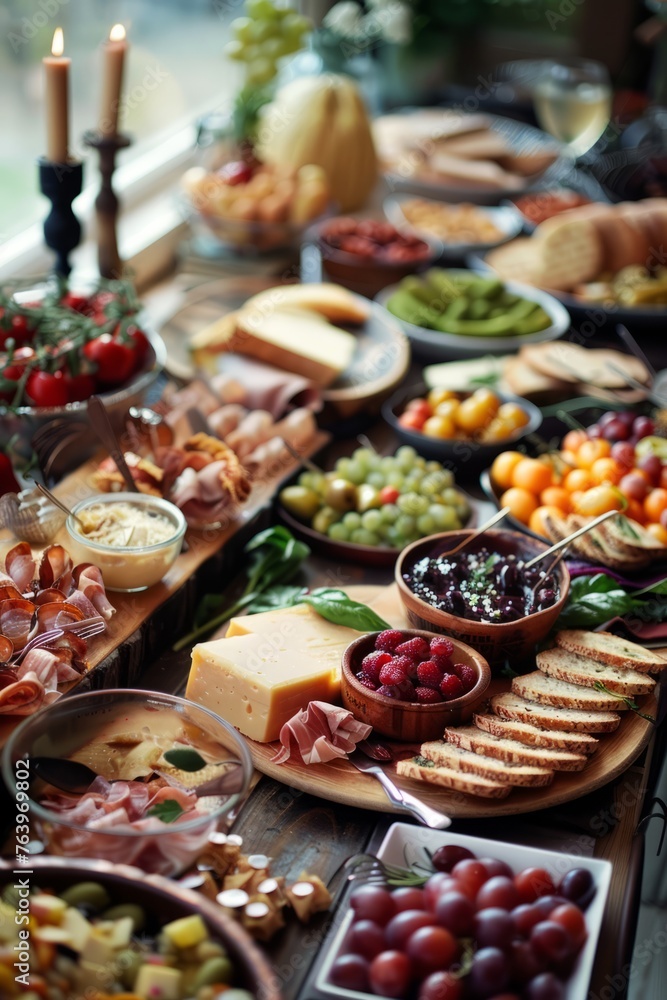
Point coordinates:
[(128, 569), (96, 729)]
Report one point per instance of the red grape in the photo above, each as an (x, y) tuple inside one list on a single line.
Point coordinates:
[(431, 949), (494, 928), (652, 466), (447, 856), (456, 912), (594, 431), (350, 972), (495, 867), (471, 872), (436, 885), (498, 891), (372, 902), (615, 430), (409, 898), (526, 916), (624, 453), (643, 427), (545, 987), (524, 963), (577, 886), (404, 924), (390, 974), (441, 986), (365, 938), (627, 416), (551, 941), (532, 883), (489, 972), (546, 904), (572, 919), (634, 486)]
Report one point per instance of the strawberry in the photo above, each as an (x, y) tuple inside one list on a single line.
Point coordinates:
[(366, 680), (389, 639), (371, 664), (427, 695), (430, 675), (451, 686), (416, 648), (392, 673), (442, 646)]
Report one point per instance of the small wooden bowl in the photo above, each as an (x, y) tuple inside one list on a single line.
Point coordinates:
[(409, 721), (513, 641)]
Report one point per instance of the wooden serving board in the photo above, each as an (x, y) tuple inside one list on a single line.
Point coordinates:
[(339, 781), (134, 610)]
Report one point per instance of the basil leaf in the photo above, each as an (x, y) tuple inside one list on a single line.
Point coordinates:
[(168, 811), (595, 609), (336, 607), (277, 537), (184, 759), (277, 597)]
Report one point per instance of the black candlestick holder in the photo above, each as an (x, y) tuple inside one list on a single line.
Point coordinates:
[(106, 204), (61, 183)]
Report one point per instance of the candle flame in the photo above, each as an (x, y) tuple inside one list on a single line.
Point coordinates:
[(117, 33), (58, 45)]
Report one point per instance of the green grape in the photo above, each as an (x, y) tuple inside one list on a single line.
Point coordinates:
[(356, 473), (412, 483), (261, 9), (235, 50), (406, 452), (260, 71), (295, 25), (363, 454), (396, 479), (426, 524), (420, 463), (393, 537), (360, 536), (242, 28), (462, 515), (313, 481), (371, 520), (339, 532), (445, 518), (389, 512), (412, 503), (274, 48), (262, 31), (376, 478), (342, 467), (352, 520), (433, 467), (463, 509), (388, 463), (405, 525), (252, 54), (434, 482), (451, 497), (384, 531)]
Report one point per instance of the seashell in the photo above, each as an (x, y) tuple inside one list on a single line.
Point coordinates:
[(30, 516)]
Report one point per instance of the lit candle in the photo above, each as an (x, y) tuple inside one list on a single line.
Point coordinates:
[(56, 67), (114, 61)]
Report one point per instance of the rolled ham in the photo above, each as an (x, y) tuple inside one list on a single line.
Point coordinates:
[(25, 696), (55, 569), (226, 419), (88, 579), (320, 733), (267, 388), (253, 430), (21, 566)]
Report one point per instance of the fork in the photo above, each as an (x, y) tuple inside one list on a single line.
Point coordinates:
[(404, 801), (85, 629)]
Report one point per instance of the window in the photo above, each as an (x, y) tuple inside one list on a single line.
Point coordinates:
[(175, 70)]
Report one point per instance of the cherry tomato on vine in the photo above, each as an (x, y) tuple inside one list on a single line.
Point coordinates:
[(79, 303), (79, 387), (114, 361), (46, 388), (140, 343), (21, 330)]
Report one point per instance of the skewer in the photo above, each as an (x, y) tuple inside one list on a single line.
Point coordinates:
[(564, 542), (498, 516), (301, 459), (630, 342)]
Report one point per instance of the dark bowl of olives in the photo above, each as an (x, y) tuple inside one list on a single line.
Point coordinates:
[(483, 595)]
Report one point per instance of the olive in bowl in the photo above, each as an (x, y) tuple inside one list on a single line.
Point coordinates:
[(483, 595), (367, 255), (410, 684)]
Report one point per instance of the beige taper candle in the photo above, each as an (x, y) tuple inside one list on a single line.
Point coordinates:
[(115, 51), (56, 68)]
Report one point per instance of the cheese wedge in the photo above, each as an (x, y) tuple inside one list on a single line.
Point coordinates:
[(331, 301), (258, 680)]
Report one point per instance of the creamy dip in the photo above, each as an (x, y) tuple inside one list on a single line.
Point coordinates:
[(124, 525)]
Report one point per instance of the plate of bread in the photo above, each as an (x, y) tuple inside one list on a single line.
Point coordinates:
[(451, 155), (596, 257), (339, 343)]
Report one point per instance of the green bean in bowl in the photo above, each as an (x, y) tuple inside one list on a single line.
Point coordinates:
[(457, 313)]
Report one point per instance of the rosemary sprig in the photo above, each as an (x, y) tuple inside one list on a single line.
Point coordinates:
[(632, 705)]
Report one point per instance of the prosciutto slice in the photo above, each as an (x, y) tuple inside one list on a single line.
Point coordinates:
[(49, 596), (16, 615), (266, 388), (25, 696), (55, 569), (226, 419), (57, 614), (253, 430), (21, 566), (88, 579), (51, 666), (320, 733), (80, 601)]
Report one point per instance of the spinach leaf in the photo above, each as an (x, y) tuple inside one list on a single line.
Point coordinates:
[(595, 608)]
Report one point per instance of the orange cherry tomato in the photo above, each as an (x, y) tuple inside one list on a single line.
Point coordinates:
[(532, 475), (503, 466), (536, 520), (420, 406), (574, 439), (556, 496), (599, 500), (412, 420), (578, 479), (655, 503), (658, 531), (635, 511), (590, 451), (607, 470), (569, 457), (521, 503)]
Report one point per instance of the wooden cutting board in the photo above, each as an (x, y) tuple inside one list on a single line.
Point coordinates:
[(339, 781)]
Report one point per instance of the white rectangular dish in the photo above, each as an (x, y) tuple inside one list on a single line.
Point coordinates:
[(406, 845)]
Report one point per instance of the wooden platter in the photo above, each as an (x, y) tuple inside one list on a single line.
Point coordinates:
[(340, 781)]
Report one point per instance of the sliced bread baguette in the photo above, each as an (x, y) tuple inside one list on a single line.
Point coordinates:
[(511, 751), (512, 706), (534, 736), (448, 777), (550, 691), (575, 669), (447, 755), (605, 647)]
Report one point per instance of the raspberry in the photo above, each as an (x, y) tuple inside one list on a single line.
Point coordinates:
[(451, 686), (443, 662), (442, 646), (466, 674), (389, 639), (366, 680), (390, 691), (430, 674), (406, 691), (408, 666), (371, 664), (392, 673), (427, 695), (416, 648)]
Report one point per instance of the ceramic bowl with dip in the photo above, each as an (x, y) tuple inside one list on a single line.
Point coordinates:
[(132, 537), (162, 816)]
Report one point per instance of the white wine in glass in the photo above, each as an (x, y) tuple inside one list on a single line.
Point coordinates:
[(573, 103)]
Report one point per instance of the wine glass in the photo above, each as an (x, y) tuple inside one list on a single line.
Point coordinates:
[(572, 99)]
